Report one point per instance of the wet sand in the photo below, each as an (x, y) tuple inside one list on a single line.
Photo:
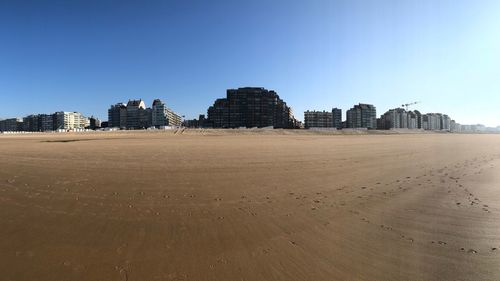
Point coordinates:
[(165, 206)]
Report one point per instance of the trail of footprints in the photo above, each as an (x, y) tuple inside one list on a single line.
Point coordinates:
[(412, 240), (444, 178)]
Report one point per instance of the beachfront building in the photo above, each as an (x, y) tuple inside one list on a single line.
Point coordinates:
[(323, 119), (46, 122), (362, 116), (11, 125), (163, 116), (418, 116), (135, 115), (436, 122), (337, 118), (64, 120), (250, 107), (445, 123), (31, 123), (136, 109), (399, 118), (218, 114), (94, 123), (318, 119), (117, 116)]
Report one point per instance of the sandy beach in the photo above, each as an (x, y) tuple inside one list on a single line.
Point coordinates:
[(262, 206)]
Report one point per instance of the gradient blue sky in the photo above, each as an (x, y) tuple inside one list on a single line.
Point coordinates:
[(84, 55)]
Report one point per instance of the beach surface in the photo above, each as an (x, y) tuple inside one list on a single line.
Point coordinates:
[(249, 206)]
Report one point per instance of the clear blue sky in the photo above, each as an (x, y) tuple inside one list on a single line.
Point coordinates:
[(84, 55)]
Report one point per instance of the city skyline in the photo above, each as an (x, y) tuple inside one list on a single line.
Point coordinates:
[(85, 55)]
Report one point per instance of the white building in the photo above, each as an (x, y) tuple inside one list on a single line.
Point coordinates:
[(163, 116), (70, 120)]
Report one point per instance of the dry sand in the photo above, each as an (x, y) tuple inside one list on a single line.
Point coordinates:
[(275, 206)]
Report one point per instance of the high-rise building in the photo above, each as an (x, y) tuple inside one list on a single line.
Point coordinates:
[(250, 107), (11, 125), (163, 116), (337, 118), (117, 116), (69, 120), (433, 121), (136, 109), (31, 123), (418, 116), (362, 116), (399, 118), (446, 123), (218, 114), (135, 115), (47, 122), (412, 120)]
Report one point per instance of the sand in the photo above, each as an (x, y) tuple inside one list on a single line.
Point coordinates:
[(261, 206)]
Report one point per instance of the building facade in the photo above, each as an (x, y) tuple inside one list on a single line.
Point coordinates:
[(318, 119), (69, 120), (11, 125), (163, 116), (135, 115), (436, 122), (362, 116), (117, 116), (46, 122), (399, 118), (323, 119), (136, 109), (337, 118), (250, 107), (31, 123)]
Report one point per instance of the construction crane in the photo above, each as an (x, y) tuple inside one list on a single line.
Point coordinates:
[(406, 105)]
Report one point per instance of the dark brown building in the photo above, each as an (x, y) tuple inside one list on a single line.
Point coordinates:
[(249, 108)]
